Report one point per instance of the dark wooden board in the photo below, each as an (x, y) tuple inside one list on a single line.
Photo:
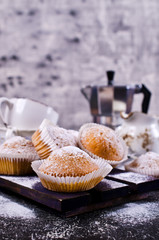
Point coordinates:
[(119, 187), (138, 182), (107, 190), (32, 188)]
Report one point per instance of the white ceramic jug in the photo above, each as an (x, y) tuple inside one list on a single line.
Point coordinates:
[(140, 131)]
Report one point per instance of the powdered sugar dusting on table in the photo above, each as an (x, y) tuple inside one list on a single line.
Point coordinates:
[(134, 213), (12, 209), (128, 221)]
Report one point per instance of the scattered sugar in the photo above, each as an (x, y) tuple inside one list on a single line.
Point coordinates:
[(24, 181), (106, 224), (12, 209), (135, 214), (129, 221)]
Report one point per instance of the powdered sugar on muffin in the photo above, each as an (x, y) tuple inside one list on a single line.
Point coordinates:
[(19, 147), (16, 155), (50, 137), (57, 137), (68, 161), (147, 163)]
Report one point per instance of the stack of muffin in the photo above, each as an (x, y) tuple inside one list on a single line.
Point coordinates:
[(64, 160)]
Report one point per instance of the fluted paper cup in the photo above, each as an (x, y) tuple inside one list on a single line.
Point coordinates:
[(73, 184)]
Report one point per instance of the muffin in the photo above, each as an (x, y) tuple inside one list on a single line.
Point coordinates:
[(100, 141), (69, 169), (147, 164), (16, 155), (50, 137)]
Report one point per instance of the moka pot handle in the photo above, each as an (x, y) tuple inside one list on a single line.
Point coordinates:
[(146, 96)]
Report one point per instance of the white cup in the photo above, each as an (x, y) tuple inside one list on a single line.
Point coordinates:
[(24, 114)]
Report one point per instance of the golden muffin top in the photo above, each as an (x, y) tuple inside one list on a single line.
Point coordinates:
[(101, 141), (68, 161)]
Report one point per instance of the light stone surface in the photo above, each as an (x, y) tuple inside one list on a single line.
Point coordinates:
[(49, 49)]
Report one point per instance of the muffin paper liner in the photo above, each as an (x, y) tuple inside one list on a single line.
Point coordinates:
[(73, 184), (42, 148), (146, 171), (20, 156), (45, 137), (14, 166), (42, 140), (111, 162)]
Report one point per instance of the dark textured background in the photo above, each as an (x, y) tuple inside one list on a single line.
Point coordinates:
[(50, 48)]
